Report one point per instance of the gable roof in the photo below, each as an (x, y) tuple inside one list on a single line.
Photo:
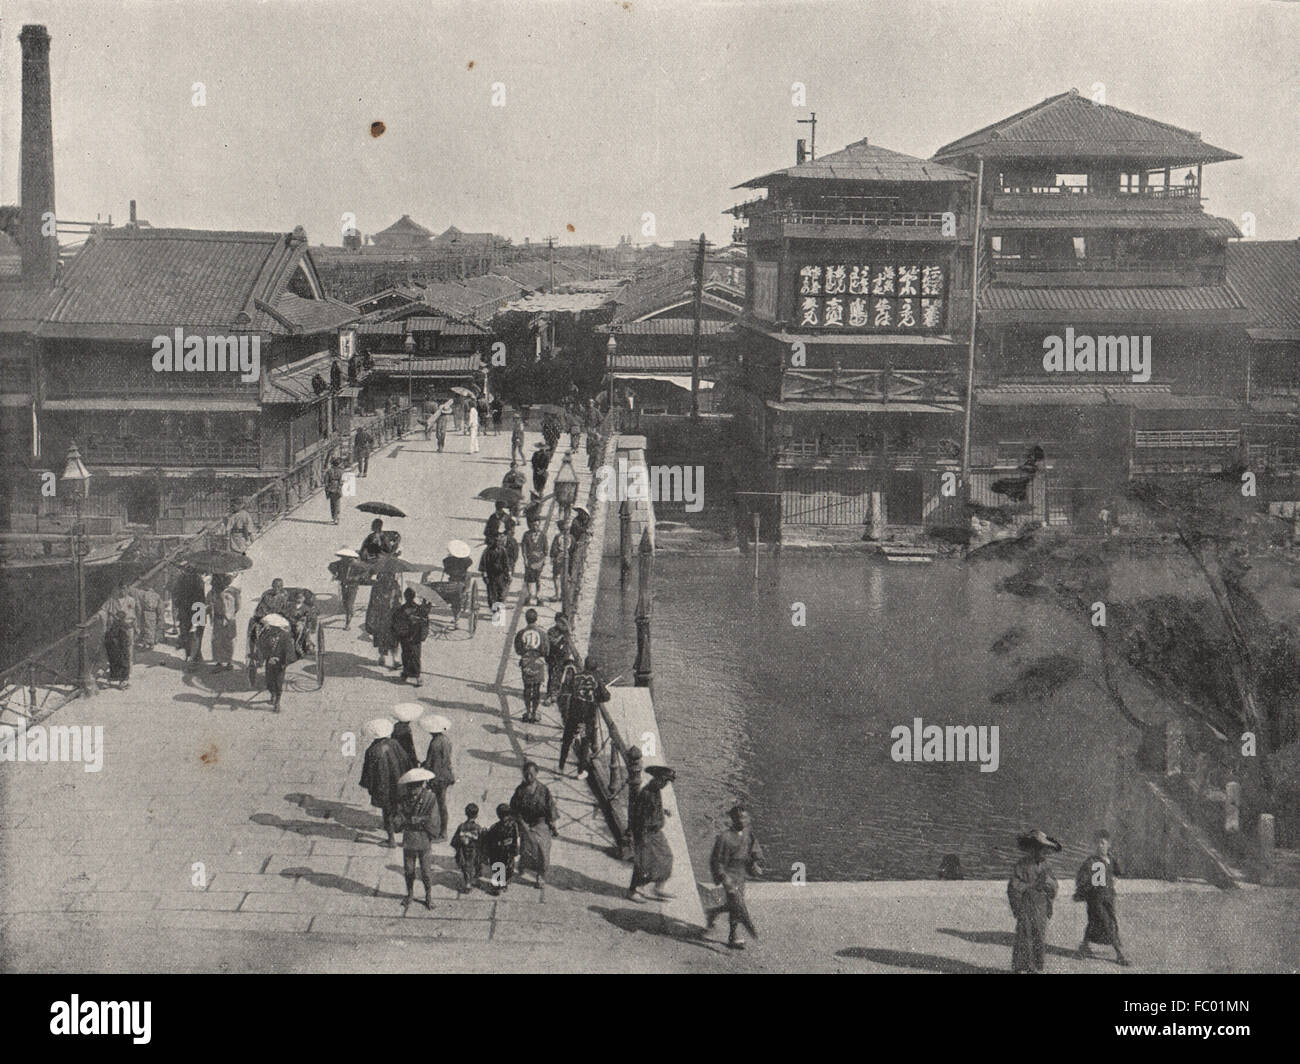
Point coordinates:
[(1266, 275), (404, 226), (1071, 125), (862, 161), (452, 235), (129, 283)]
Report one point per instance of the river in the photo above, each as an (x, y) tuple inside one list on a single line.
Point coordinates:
[(796, 721)]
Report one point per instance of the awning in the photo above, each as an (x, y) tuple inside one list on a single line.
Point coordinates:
[(817, 406), (293, 383), (668, 378), (191, 404)]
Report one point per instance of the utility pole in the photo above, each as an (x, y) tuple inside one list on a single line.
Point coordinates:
[(812, 124), (695, 334), (550, 258)]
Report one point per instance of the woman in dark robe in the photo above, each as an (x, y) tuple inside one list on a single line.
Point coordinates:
[(652, 858), (495, 567), (1030, 892), (385, 598), (122, 617), (1095, 884), (386, 759), (533, 808)]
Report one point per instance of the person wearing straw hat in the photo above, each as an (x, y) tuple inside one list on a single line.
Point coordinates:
[(437, 759), (455, 567), (406, 713), (736, 855), (417, 817), (652, 857), (349, 572), (385, 762), (1030, 891), (533, 808), (275, 644)]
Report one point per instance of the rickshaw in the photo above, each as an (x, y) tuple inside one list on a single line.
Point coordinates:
[(461, 596), (308, 631)]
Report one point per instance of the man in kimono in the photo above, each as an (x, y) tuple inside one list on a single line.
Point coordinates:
[(736, 854), (652, 858), (276, 647), (532, 647), (561, 553), (349, 572), (517, 440), (1095, 885), (586, 691), (495, 567), (541, 461), (239, 529), (334, 487), (534, 810), (121, 621), (150, 608), (1030, 891), (362, 450), (223, 606), (500, 848), (411, 626), (189, 591), (385, 761)]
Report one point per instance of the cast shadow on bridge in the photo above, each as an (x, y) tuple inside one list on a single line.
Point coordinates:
[(651, 922), (1006, 939), (920, 962)]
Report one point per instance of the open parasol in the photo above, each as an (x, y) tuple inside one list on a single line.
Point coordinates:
[(219, 561), (509, 496), (384, 509), (468, 393)]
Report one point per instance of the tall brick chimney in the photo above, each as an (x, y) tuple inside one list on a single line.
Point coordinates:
[(36, 190)]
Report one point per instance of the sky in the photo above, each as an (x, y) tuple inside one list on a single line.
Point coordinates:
[(613, 109)]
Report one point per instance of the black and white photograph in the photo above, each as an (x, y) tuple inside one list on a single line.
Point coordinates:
[(651, 487)]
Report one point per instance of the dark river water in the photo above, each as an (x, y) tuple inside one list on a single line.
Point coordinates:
[(796, 721)]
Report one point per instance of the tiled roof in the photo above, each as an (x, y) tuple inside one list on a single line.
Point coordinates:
[(293, 383), (127, 283), (405, 226), (1142, 396), (656, 363), (315, 315), (1217, 304), (443, 325), (862, 162), (457, 365), (1266, 274), (1163, 220), (1072, 125), (667, 327), (561, 302), (21, 309)]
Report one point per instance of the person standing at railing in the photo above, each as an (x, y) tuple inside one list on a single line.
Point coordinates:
[(121, 621), (586, 691), (239, 527), (362, 449)]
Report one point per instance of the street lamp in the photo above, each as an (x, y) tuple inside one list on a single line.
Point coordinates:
[(76, 481), (409, 344), (612, 348), (566, 494)]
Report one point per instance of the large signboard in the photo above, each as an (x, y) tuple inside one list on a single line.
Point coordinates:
[(880, 296), (765, 291)]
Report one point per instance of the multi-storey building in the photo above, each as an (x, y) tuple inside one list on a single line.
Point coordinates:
[(853, 344), (1108, 334)]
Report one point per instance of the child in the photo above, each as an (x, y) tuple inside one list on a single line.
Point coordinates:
[(501, 847), (468, 846)]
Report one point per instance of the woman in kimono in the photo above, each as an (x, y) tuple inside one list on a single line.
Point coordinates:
[(385, 761), (385, 598), (119, 635), (652, 858), (1094, 884), (1030, 892), (533, 808), (223, 605), (150, 605)]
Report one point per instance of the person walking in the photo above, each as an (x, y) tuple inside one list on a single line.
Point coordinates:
[(534, 549), (239, 528), (385, 598), (437, 759), (349, 573), (455, 569), (471, 423), (586, 692), (122, 618), (149, 606), (223, 605), (495, 567), (189, 593), (418, 818), (541, 461), (736, 856), (1095, 884), (440, 427), (652, 857), (559, 654), (334, 486), (410, 624), (561, 558), (275, 642), (1030, 891), (498, 409), (384, 763), (362, 448), (517, 440), (533, 808), (532, 646)]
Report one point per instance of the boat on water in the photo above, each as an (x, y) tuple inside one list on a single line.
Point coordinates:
[(104, 550)]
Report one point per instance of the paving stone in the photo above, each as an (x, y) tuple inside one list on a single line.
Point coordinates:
[(201, 899), (409, 927), (239, 881)]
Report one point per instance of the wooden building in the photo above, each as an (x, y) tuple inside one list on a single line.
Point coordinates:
[(255, 390), (1107, 333), (445, 353), (651, 360), (853, 341)]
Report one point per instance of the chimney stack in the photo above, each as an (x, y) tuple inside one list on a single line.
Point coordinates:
[(40, 244)]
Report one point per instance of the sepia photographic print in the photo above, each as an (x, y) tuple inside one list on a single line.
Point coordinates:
[(655, 486)]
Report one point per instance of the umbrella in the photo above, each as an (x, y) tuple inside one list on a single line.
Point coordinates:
[(466, 392), (509, 496), (415, 775), (391, 563), (219, 561), (382, 508)]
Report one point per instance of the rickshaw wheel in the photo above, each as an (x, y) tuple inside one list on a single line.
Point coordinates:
[(320, 655), (472, 621)]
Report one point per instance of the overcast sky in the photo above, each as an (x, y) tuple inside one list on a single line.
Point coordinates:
[(612, 109)]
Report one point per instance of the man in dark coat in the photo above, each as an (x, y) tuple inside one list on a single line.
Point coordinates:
[(541, 462), (385, 761), (559, 652), (411, 626), (652, 858), (437, 759), (495, 567), (736, 854), (362, 449), (1030, 891), (188, 591), (1095, 885), (276, 647), (587, 690)]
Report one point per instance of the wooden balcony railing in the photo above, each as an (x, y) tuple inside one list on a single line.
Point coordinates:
[(184, 452)]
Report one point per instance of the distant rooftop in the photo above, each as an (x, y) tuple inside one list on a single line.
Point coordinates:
[(862, 161)]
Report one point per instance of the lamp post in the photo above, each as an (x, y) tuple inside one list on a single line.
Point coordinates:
[(409, 344), (566, 494), (642, 670), (76, 480), (612, 348)]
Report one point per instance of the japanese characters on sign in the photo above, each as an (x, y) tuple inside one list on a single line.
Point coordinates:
[(880, 296)]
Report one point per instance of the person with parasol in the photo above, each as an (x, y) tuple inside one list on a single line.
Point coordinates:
[(385, 761), (417, 817), (1030, 891), (386, 593), (533, 807), (223, 605)]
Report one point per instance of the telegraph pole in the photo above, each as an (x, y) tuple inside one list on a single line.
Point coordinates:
[(812, 124), (695, 334)]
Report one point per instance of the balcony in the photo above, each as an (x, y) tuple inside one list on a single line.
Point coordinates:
[(1106, 273), (849, 225), (199, 453), (861, 452), (1075, 199)]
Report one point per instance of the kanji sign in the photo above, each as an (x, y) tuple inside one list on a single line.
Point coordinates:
[(881, 297)]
